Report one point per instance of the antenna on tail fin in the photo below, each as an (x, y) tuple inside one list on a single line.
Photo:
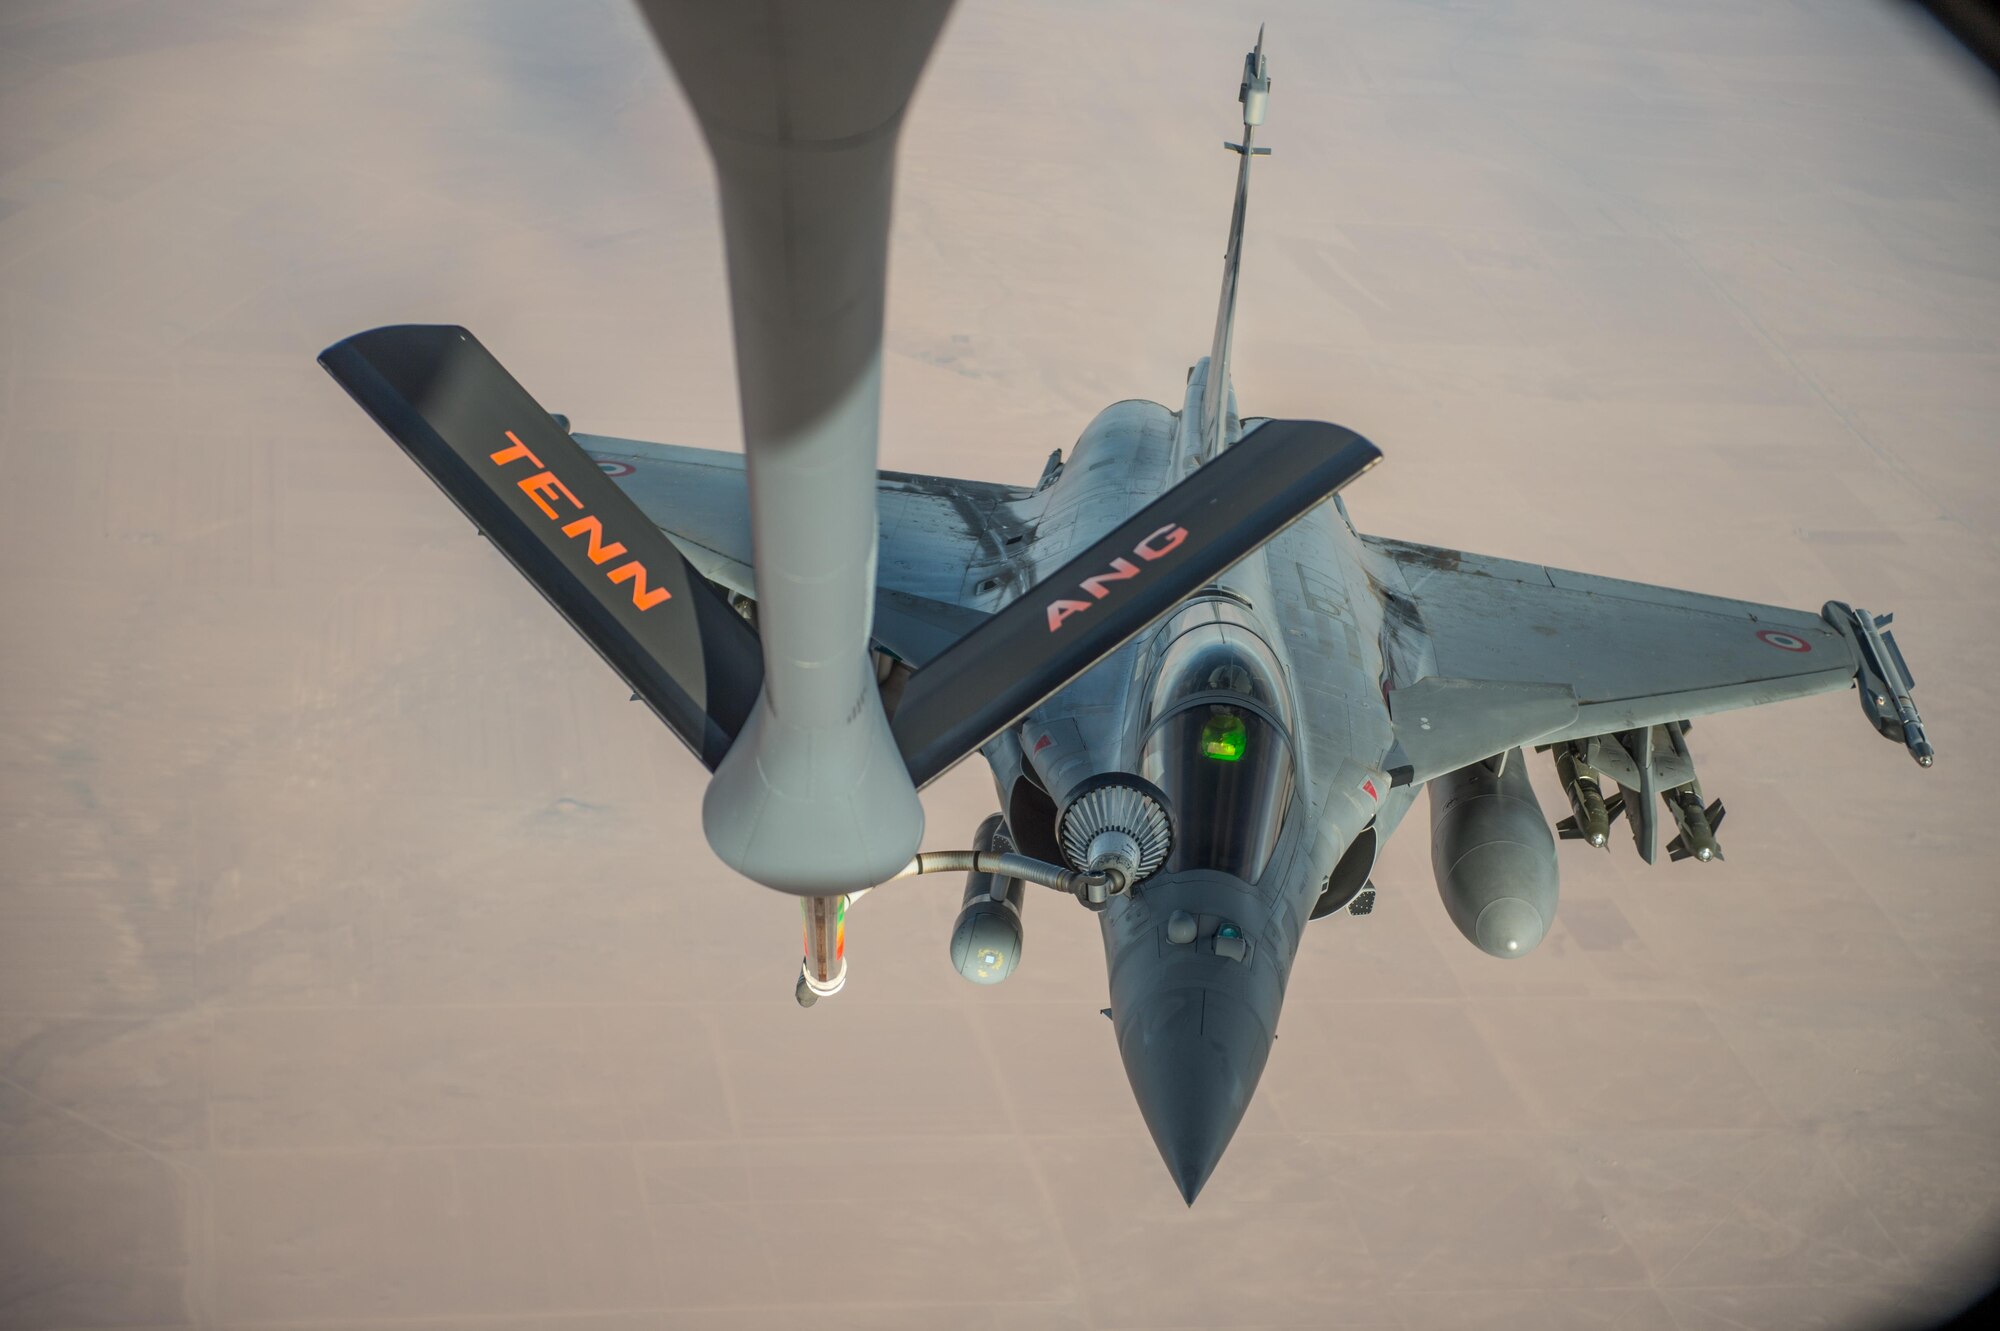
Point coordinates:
[(1254, 93)]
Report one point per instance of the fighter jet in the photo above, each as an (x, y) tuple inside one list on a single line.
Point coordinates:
[(1205, 697)]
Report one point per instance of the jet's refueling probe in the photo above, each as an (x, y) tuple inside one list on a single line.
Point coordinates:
[(1094, 886)]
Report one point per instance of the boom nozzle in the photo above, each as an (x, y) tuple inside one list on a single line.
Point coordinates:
[(823, 971)]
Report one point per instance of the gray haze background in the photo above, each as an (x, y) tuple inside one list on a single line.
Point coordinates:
[(362, 963)]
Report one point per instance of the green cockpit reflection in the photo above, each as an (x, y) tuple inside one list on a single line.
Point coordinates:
[(1224, 737), (1218, 743)]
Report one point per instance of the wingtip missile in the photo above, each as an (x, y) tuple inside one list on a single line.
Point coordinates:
[(1883, 678)]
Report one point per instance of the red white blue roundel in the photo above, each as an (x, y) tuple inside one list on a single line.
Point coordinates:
[(1784, 642), (612, 467)]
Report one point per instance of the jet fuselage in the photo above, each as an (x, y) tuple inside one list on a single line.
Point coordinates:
[(1282, 658)]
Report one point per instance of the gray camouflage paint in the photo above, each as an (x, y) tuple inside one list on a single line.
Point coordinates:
[(1402, 664)]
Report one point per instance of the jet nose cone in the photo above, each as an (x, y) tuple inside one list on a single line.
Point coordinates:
[(1193, 1057)]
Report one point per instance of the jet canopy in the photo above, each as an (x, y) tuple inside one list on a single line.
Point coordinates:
[(1218, 742)]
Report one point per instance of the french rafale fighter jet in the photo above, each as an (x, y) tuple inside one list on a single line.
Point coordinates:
[(1206, 699)]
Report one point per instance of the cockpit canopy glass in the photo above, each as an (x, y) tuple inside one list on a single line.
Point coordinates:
[(1217, 745), (1208, 652)]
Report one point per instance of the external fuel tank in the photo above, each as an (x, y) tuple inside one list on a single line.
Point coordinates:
[(1494, 856)]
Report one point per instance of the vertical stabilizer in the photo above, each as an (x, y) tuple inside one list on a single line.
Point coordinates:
[(1254, 93)]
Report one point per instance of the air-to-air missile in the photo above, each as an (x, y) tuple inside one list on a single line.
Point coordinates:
[(1884, 679)]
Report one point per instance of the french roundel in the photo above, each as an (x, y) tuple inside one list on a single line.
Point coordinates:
[(1784, 642)]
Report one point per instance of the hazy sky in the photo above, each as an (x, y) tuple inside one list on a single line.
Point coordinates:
[(361, 960)]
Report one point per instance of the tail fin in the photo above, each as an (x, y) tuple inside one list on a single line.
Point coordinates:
[(622, 584), (1140, 571), (562, 522), (1254, 93)]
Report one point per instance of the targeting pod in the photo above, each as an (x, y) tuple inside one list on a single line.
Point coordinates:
[(987, 936)]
